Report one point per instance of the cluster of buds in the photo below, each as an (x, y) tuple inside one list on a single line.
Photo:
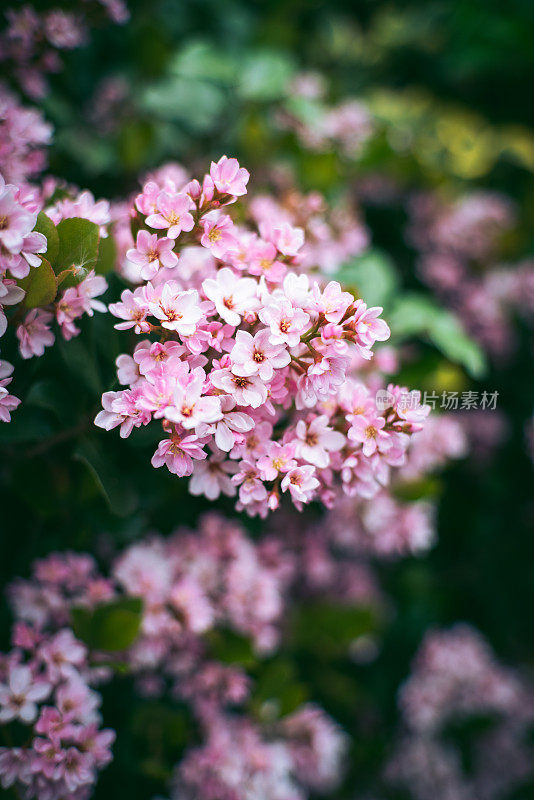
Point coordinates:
[(248, 362)]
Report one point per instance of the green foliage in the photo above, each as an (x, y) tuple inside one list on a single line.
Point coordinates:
[(326, 630), (418, 315), (264, 75), (231, 647), (371, 276), (45, 226), (40, 285), (107, 477), (107, 255), (109, 627), (78, 248)]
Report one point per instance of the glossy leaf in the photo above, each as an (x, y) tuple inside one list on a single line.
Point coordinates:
[(40, 285), (45, 226)]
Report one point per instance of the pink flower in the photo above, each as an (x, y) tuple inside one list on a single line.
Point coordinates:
[(173, 213), (219, 235), (178, 311), (251, 488), (151, 357), (92, 286), (279, 458), (287, 324), (315, 440), (332, 301), (232, 295), (287, 239), (192, 605), (177, 453), (256, 355), (8, 403), (301, 482), (10, 295), (122, 408), (17, 222), (247, 391), (368, 430), (20, 695), (78, 769), (48, 758), (96, 743), (52, 724), (76, 701), (190, 406), (228, 177), (367, 327), (230, 428), (151, 253), (34, 334), (212, 477), (133, 308), (61, 653)]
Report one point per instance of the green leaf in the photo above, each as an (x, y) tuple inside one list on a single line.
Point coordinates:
[(195, 104), (265, 75), (448, 336), (277, 689), (109, 627), (45, 226), (108, 478), (417, 315), (327, 629), (231, 648), (40, 285), (373, 275), (205, 61), (81, 364), (78, 247), (107, 255)]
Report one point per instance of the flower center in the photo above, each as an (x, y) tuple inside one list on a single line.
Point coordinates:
[(214, 235), (173, 218), (371, 432), (285, 325), (228, 302), (258, 356), (240, 382), (4, 220), (311, 439)]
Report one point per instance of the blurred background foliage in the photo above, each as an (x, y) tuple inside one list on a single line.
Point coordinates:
[(449, 86)]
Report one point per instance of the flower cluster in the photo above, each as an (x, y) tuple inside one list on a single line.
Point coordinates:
[(237, 762), (459, 244), (456, 676), (23, 134), (250, 367), (30, 40), (344, 126), (191, 584), (45, 684), (22, 255)]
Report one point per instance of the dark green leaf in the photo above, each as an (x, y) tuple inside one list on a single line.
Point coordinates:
[(78, 246), (108, 478), (231, 648), (45, 225), (109, 627), (40, 285), (107, 255), (373, 275)]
